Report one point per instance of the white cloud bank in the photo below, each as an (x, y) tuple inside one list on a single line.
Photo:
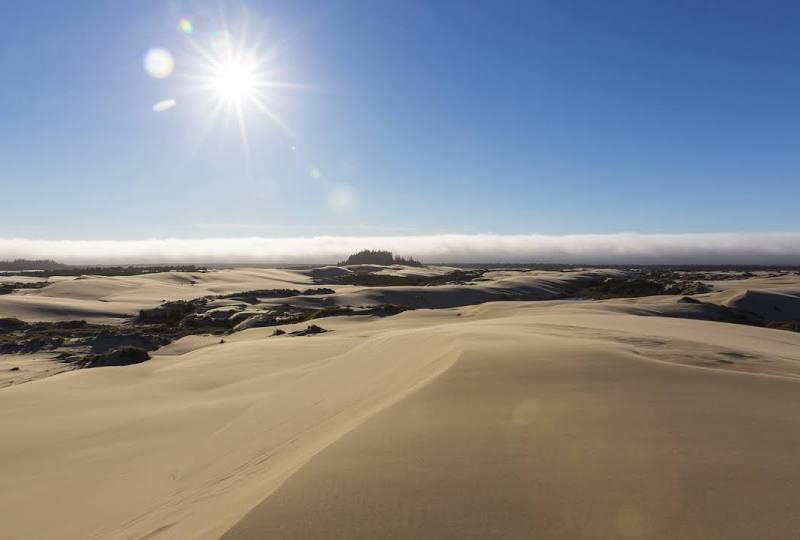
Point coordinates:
[(634, 248)]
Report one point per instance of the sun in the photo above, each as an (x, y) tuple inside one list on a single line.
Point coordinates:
[(233, 77), (235, 82)]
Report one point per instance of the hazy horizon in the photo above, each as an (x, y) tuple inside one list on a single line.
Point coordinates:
[(622, 248)]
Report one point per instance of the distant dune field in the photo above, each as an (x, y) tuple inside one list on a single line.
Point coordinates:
[(548, 419)]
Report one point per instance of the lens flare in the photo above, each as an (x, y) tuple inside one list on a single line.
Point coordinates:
[(343, 199), (164, 104), (186, 26), (158, 63)]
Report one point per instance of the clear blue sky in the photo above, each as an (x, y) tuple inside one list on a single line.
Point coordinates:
[(504, 117)]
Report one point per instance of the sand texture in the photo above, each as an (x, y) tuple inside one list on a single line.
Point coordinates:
[(552, 419)]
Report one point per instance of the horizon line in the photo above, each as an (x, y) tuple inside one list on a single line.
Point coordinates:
[(743, 248)]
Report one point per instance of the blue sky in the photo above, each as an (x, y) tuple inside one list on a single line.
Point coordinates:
[(431, 117)]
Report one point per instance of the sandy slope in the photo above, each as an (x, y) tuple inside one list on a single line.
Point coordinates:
[(187, 444), (555, 438), (514, 420), (22, 368)]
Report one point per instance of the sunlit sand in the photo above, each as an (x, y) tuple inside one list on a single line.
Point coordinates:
[(621, 418)]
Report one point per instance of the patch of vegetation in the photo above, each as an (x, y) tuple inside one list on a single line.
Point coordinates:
[(687, 287), (27, 264), (91, 345), (169, 312), (253, 297), (309, 331), (286, 314), (456, 277), (637, 284), (79, 337), (130, 270), (731, 271), (11, 323), (318, 291), (618, 288), (124, 356), (8, 288), (380, 257)]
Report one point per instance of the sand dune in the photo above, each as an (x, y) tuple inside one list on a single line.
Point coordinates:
[(108, 300), (556, 437), (112, 299), (546, 419), (190, 442), (104, 299), (771, 304)]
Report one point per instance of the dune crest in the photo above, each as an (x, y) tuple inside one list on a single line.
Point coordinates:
[(205, 434)]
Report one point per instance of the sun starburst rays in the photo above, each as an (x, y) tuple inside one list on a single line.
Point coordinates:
[(234, 80)]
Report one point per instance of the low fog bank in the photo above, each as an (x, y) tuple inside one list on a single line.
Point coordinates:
[(620, 248)]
